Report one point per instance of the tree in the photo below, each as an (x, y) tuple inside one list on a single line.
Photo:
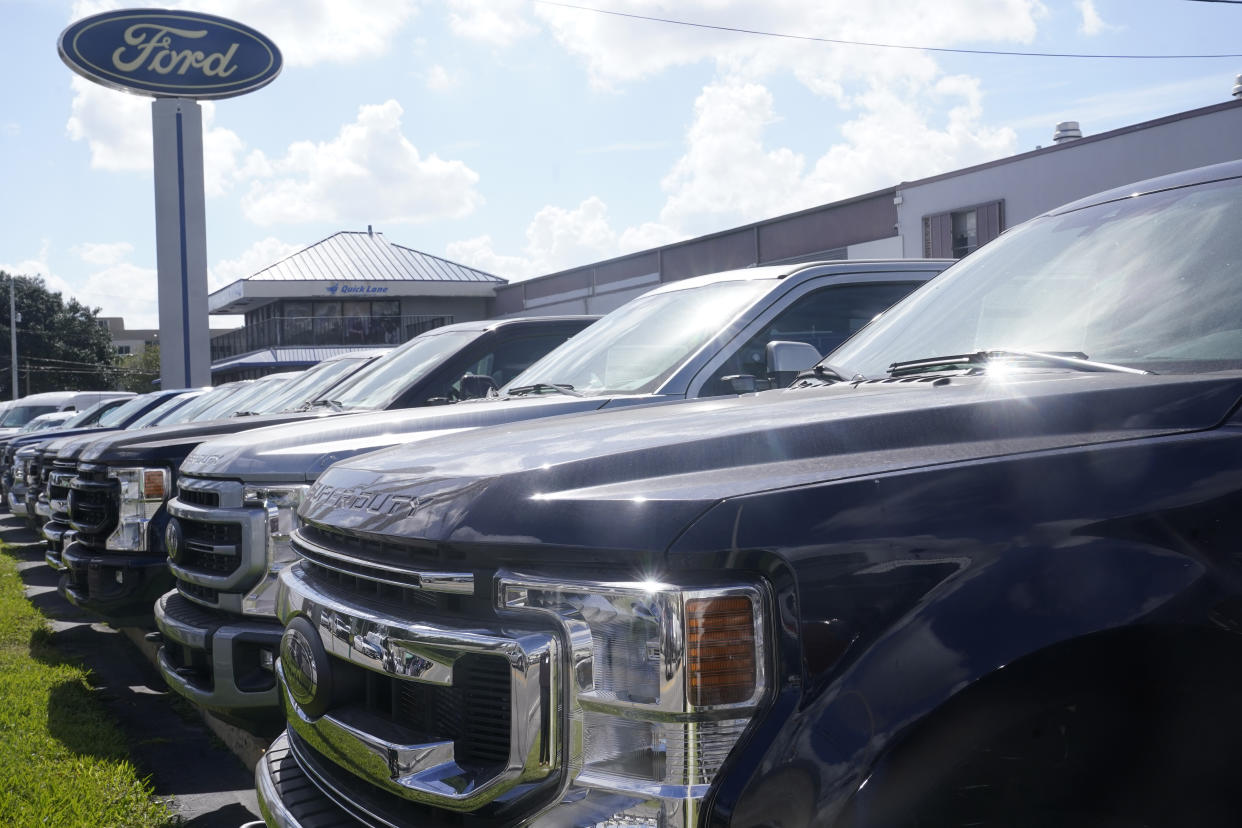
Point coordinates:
[(137, 372), (61, 345)]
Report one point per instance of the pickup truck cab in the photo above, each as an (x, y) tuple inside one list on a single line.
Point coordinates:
[(705, 337), (979, 567), (116, 563)]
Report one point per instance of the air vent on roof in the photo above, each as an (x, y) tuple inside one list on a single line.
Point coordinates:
[(1066, 131)]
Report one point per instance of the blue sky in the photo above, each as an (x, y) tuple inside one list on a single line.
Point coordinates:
[(523, 137)]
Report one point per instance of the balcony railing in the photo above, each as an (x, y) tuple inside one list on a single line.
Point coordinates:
[(293, 331)]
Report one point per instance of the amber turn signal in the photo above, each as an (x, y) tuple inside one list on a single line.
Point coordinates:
[(153, 482), (720, 648)]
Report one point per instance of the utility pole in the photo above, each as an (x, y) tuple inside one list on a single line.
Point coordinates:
[(13, 328)]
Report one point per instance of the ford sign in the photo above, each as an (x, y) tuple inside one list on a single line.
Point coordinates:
[(170, 54)]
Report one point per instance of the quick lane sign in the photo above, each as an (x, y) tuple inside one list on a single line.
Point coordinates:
[(170, 54)]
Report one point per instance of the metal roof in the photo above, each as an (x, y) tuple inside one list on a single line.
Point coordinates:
[(286, 357), (368, 256)]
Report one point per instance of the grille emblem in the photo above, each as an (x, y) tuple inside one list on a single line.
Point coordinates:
[(174, 540), (304, 666)]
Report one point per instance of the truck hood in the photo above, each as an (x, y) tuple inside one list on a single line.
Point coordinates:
[(20, 441), (634, 478), (301, 451), (171, 443)]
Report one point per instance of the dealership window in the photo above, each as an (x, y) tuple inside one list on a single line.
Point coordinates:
[(955, 233)]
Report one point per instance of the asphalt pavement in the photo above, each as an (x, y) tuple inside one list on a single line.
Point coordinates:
[(204, 769)]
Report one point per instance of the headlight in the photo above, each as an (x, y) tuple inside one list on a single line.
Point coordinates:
[(143, 491), (281, 505), (19, 470), (666, 681)]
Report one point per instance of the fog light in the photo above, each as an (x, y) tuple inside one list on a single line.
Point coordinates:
[(120, 576), (267, 660)]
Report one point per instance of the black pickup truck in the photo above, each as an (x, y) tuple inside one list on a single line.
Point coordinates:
[(693, 338), (980, 567), (116, 563)]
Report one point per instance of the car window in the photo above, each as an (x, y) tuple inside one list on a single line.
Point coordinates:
[(639, 345), (824, 319), (501, 360), (392, 374)]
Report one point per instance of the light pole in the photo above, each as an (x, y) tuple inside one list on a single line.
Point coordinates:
[(13, 320)]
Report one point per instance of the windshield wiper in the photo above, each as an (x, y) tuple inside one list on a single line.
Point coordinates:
[(335, 405), (821, 374), (1075, 360), (540, 387)]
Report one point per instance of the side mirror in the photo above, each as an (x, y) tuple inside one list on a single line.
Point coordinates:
[(474, 386), (788, 359)]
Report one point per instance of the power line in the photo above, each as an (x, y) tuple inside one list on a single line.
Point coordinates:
[(840, 42)]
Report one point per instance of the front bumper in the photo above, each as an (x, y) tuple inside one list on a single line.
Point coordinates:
[(216, 659), (56, 535), (17, 500), (122, 588), (287, 796)]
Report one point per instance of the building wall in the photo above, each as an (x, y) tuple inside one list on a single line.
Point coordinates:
[(1037, 181)]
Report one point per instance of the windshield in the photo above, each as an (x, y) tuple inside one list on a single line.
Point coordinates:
[(19, 415), (45, 421), (173, 403), (213, 398), (251, 399), (1149, 283), (86, 417), (639, 345), (121, 413), (313, 382), (390, 375)]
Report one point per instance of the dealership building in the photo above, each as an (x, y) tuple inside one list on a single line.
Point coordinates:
[(356, 289)]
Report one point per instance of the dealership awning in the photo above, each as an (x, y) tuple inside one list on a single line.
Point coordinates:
[(354, 265), (286, 358)]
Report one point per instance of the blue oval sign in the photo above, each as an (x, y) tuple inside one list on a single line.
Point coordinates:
[(170, 54)]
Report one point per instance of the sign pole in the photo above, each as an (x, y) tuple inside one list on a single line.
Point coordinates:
[(181, 243)]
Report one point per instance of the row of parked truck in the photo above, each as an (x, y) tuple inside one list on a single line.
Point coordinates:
[(754, 549)]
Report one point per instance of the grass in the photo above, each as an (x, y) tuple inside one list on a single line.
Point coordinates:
[(63, 761)]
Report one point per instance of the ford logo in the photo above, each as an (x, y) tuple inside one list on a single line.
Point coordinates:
[(173, 54), (304, 667), (174, 541)]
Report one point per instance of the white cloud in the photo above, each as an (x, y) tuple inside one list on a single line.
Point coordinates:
[(317, 31), (258, 256), (726, 174), (1092, 23), (369, 173), (439, 79), (555, 239), (729, 174), (619, 49), (498, 22), (117, 128), (118, 288), (103, 254)]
